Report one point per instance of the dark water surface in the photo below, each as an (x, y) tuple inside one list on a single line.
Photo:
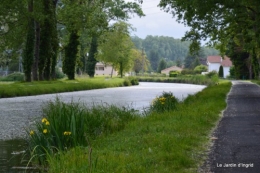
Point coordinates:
[(12, 154)]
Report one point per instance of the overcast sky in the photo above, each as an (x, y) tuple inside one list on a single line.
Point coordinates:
[(156, 22)]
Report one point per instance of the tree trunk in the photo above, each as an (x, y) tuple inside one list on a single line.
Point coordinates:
[(71, 50), (121, 69), (112, 71), (36, 52), (29, 46)]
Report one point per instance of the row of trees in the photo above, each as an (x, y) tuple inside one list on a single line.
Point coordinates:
[(233, 27), (166, 51), (40, 29)]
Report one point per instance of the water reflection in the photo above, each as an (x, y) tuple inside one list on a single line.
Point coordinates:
[(12, 154)]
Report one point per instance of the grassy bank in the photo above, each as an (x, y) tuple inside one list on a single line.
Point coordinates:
[(14, 89), (192, 79), (173, 141)]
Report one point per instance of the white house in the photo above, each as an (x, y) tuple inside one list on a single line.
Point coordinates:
[(102, 69), (214, 62)]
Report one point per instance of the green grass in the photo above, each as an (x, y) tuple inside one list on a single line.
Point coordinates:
[(14, 89), (174, 141), (68, 125), (191, 79)]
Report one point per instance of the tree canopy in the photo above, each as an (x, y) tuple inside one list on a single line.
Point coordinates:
[(115, 48), (221, 21)]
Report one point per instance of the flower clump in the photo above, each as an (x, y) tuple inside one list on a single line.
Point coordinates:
[(66, 133), (165, 102)]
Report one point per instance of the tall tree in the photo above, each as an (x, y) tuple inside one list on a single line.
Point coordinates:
[(115, 10), (91, 61), (141, 62), (71, 50), (29, 46), (221, 21), (154, 59), (116, 47), (162, 65)]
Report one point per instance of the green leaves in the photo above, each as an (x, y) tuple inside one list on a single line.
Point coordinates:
[(220, 21), (115, 48)]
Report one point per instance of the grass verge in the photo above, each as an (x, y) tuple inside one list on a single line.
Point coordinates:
[(191, 79), (173, 141), (47, 87)]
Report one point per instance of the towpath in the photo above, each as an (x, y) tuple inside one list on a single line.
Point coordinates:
[(237, 138)]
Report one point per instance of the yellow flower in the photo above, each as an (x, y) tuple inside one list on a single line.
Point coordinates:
[(44, 120), (31, 132), (47, 123), (66, 133), (45, 131)]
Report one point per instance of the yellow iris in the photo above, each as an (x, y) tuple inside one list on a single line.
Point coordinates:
[(31, 132), (44, 120), (45, 131), (66, 133), (47, 123)]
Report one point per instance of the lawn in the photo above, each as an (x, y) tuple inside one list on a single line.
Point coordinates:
[(14, 89)]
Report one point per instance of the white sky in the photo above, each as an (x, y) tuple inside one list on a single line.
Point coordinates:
[(156, 22)]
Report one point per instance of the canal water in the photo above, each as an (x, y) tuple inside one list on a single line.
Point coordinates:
[(25, 109), (13, 156)]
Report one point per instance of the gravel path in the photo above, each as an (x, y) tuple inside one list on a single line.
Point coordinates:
[(237, 145), (18, 113)]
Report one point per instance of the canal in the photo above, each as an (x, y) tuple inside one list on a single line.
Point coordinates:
[(18, 113)]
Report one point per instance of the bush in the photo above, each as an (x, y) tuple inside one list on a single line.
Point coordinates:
[(187, 71), (127, 82), (174, 73), (211, 74), (221, 72), (133, 80), (59, 74), (165, 102), (14, 77), (200, 68)]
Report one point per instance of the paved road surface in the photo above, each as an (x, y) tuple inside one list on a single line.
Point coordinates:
[(237, 147)]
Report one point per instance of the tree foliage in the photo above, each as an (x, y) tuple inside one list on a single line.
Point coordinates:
[(174, 50), (221, 72), (162, 65), (91, 62), (141, 63), (222, 22), (115, 48), (200, 68), (71, 51)]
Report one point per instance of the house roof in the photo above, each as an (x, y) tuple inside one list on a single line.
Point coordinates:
[(226, 62), (172, 68), (214, 59)]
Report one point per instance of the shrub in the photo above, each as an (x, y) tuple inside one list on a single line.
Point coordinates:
[(174, 73), (14, 77), (200, 68), (221, 72), (59, 74), (165, 102), (187, 71), (211, 74), (127, 82), (133, 80)]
